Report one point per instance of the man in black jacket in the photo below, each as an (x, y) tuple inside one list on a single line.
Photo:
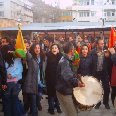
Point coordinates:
[(66, 80), (100, 71)]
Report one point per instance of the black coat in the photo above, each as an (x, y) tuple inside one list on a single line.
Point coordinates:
[(85, 66), (105, 63), (50, 72), (3, 73)]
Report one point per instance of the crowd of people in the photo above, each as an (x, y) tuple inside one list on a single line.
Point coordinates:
[(49, 69)]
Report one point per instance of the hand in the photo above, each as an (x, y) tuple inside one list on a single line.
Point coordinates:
[(4, 87), (107, 54), (9, 76), (81, 84), (26, 51), (79, 76), (112, 50), (10, 51)]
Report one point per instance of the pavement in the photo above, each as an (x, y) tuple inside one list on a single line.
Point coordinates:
[(100, 112)]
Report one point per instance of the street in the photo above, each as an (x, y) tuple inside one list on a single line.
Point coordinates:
[(101, 112)]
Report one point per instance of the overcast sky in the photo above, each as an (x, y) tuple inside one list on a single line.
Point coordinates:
[(63, 3)]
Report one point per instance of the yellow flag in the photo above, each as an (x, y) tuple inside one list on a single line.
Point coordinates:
[(20, 41)]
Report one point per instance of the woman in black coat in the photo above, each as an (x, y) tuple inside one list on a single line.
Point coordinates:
[(85, 65), (53, 58)]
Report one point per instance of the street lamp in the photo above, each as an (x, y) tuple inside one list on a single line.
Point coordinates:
[(103, 19)]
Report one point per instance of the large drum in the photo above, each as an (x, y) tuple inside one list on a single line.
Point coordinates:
[(87, 97)]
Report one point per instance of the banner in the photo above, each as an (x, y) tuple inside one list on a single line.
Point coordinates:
[(112, 39)]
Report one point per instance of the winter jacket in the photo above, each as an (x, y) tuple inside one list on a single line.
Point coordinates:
[(94, 63), (50, 72), (30, 84), (85, 66), (66, 79), (3, 73)]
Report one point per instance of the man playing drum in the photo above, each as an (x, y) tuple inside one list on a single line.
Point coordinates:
[(66, 81)]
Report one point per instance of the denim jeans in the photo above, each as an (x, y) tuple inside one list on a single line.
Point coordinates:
[(10, 99), (33, 104)]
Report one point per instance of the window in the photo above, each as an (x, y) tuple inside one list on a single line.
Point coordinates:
[(105, 14), (81, 14), (1, 13), (87, 14), (84, 13), (92, 13), (113, 2), (113, 14), (84, 2), (1, 4), (68, 13), (109, 13), (92, 2), (88, 3)]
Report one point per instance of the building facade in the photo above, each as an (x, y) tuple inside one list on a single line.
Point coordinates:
[(13, 11), (94, 10), (46, 13), (66, 15)]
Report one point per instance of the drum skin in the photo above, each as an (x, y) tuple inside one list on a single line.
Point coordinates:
[(87, 97)]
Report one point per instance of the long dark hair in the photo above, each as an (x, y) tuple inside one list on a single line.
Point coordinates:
[(8, 57), (34, 54)]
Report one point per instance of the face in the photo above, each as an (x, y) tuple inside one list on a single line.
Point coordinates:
[(37, 50), (4, 42), (46, 42), (72, 51), (61, 39), (100, 44), (55, 49), (80, 39), (27, 46), (85, 50), (70, 39)]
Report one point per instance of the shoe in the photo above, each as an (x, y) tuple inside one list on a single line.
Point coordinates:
[(59, 110), (26, 114), (97, 106), (107, 106), (51, 111)]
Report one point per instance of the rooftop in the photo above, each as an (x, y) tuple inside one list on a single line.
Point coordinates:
[(64, 26)]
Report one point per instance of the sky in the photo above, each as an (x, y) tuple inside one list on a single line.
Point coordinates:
[(63, 3)]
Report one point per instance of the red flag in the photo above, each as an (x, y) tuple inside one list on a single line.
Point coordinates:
[(112, 39)]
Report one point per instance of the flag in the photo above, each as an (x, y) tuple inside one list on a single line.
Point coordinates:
[(20, 41), (75, 61), (112, 39), (20, 45)]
